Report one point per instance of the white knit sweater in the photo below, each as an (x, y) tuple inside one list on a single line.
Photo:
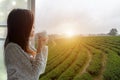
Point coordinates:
[(20, 66)]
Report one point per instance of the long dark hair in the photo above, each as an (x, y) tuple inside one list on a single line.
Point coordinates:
[(19, 26)]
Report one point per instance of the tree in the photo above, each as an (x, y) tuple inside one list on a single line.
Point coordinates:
[(113, 32)]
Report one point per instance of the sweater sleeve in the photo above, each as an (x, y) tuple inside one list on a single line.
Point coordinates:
[(19, 58), (40, 61)]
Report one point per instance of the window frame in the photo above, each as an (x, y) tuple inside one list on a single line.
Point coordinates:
[(31, 6)]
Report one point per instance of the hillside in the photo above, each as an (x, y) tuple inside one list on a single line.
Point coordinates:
[(83, 58)]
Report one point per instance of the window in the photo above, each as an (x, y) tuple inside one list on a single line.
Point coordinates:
[(6, 6), (2, 32)]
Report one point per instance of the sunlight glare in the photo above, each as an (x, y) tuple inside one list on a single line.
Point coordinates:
[(69, 33), (68, 29)]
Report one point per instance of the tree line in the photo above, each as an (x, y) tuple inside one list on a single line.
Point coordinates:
[(113, 32)]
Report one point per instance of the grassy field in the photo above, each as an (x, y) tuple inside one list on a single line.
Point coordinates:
[(83, 58)]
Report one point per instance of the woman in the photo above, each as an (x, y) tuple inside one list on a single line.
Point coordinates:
[(22, 63)]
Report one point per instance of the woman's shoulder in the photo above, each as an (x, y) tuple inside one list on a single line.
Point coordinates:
[(12, 45), (15, 48)]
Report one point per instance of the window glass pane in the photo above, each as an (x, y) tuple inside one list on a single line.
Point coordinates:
[(2, 32), (7, 5)]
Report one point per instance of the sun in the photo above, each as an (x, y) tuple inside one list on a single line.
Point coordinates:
[(68, 29), (69, 33)]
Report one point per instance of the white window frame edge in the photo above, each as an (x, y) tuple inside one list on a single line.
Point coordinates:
[(31, 5)]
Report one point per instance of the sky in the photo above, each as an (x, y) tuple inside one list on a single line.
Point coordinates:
[(78, 16)]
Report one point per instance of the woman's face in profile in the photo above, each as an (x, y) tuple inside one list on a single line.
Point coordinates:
[(32, 31)]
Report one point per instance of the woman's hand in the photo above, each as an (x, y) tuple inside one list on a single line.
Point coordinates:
[(41, 43)]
